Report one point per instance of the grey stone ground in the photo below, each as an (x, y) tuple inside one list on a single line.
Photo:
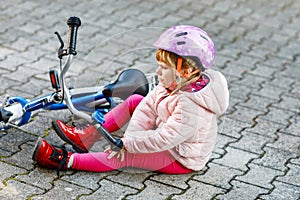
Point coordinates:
[(257, 41)]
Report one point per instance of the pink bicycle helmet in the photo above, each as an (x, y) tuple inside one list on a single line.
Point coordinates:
[(188, 41)]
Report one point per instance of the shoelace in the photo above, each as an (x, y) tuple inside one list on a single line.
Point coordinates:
[(55, 157)]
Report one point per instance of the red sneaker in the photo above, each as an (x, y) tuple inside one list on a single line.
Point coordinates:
[(50, 157), (81, 138)]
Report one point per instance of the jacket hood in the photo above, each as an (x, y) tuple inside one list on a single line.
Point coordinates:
[(215, 95)]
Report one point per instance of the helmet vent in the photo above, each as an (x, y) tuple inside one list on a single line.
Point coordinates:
[(181, 43), (181, 34), (204, 37)]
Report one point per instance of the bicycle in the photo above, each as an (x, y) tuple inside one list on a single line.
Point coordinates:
[(90, 104)]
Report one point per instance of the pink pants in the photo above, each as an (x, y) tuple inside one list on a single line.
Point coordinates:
[(162, 162)]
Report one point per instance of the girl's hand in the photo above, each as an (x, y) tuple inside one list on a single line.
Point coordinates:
[(120, 154)]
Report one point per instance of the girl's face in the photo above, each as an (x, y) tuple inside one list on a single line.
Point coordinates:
[(166, 75)]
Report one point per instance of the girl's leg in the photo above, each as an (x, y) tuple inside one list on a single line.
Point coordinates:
[(120, 115), (97, 162)]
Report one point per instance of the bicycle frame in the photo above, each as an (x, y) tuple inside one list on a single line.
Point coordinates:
[(90, 104), (85, 103)]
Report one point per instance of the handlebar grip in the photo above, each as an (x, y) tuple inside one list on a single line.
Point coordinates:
[(115, 143), (73, 23)]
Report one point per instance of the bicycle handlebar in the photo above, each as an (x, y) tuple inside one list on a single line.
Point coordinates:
[(73, 23), (115, 143)]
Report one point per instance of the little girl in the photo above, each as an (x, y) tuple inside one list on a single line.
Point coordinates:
[(172, 130)]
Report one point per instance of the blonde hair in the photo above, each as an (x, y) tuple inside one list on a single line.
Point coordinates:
[(189, 71)]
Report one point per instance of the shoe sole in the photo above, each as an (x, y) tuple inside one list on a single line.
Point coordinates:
[(37, 147), (64, 138)]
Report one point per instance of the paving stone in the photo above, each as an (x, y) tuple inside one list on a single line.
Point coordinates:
[(292, 176), (251, 142), (236, 158), (249, 61), (294, 90), (286, 142), (291, 70), (110, 190), (231, 127), (87, 179), (38, 124), (131, 177), (243, 190), (206, 191), (232, 53), (257, 102), (283, 191), (11, 63), (39, 65), (5, 52), (221, 61), (252, 81), (295, 161), (244, 114), (6, 85), (259, 176), (235, 69), (63, 190), (8, 171), (222, 142), (18, 190), (21, 44), (277, 115), (231, 80), (22, 158), (214, 156), (240, 91), (274, 158), (232, 103), (263, 70), (258, 34), (240, 11), (289, 103), (94, 56), (280, 39), (269, 91), (218, 175), (39, 177), (155, 190), (22, 74), (276, 62), (282, 81), (36, 86), (180, 181), (12, 141), (271, 46), (286, 52)]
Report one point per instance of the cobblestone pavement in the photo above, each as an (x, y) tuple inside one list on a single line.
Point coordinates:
[(258, 43)]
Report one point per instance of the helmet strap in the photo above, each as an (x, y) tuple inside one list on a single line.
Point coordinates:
[(194, 72), (179, 64), (174, 84), (171, 88)]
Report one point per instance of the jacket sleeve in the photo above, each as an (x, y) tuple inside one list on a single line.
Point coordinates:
[(183, 123)]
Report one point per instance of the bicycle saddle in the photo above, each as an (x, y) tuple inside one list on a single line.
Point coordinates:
[(129, 81)]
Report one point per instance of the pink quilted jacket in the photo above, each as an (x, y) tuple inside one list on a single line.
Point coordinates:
[(185, 124)]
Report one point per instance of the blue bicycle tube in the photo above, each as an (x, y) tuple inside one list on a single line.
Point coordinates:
[(98, 117), (27, 114), (78, 102)]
